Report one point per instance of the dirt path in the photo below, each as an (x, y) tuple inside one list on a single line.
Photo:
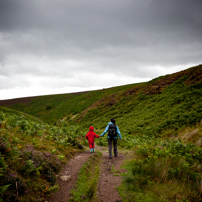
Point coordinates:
[(68, 176), (109, 179)]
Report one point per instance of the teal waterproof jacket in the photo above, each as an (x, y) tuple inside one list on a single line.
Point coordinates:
[(107, 128)]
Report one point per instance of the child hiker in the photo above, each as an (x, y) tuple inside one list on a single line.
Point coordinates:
[(90, 136)]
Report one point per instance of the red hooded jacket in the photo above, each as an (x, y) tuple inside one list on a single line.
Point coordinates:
[(90, 136)]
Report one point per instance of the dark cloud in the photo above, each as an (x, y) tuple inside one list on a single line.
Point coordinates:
[(126, 38)]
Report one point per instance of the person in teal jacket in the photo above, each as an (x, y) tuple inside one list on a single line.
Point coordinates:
[(112, 139)]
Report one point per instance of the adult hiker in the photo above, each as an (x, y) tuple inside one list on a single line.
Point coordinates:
[(112, 130), (90, 136)]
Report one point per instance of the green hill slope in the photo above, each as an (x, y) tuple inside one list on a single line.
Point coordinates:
[(159, 107), (50, 108), (160, 121), (31, 155)]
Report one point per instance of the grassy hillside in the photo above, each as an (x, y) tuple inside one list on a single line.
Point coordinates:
[(51, 108), (31, 154), (161, 107), (160, 120)]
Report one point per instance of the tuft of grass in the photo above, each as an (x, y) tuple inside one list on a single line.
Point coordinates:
[(86, 186), (192, 134)]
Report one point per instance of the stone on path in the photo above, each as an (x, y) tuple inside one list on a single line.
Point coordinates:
[(65, 178)]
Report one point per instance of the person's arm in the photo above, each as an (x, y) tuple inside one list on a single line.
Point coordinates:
[(119, 133), (105, 131), (96, 135)]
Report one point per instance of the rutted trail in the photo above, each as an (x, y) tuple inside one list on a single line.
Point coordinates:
[(108, 181), (68, 176)]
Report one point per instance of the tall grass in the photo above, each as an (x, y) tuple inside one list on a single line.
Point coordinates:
[(167, 171)]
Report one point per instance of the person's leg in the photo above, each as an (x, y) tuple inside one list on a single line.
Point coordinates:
[(93, 147), (110, 147), (115, 148)]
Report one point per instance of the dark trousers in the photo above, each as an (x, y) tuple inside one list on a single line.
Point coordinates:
[(110, 147)]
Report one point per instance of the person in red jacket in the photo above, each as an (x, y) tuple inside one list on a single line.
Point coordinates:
[(90, 136)]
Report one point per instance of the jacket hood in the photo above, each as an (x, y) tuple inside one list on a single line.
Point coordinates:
[(91, 129)]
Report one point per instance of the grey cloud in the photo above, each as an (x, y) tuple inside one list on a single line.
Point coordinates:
[(42, 37), (14, 81)]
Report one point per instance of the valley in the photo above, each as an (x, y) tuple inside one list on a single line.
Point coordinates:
[(160, 154)]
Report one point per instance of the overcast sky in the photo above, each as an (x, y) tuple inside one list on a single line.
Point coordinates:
[(62, 46)]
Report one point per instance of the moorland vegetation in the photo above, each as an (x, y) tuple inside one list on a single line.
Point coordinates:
[(160, 121)]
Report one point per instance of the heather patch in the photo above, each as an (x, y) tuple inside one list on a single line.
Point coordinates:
[(32, 154)]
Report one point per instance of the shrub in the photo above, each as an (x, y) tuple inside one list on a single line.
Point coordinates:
[(3, 168), (48, 106), (161, 163), (3, 146)]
